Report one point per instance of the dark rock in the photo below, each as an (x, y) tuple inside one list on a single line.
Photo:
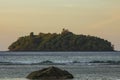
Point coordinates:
[(50, 73)]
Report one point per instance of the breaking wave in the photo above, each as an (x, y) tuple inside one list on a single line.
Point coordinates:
[(48, 62)]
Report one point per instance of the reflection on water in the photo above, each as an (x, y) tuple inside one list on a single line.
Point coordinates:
[(80, 72), (50, 79), (61, 79), (101, 72)]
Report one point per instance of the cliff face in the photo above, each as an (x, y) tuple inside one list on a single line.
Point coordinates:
[(66, 41)]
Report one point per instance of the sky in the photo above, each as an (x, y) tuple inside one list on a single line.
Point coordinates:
[(99, 18)]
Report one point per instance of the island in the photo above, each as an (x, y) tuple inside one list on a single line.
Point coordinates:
[(64, 41)]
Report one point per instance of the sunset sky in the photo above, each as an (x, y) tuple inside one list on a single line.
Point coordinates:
[(90, 17)]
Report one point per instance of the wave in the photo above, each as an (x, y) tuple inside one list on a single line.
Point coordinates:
[(48, 62), (108, 62)]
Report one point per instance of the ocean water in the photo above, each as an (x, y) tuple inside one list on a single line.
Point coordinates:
[(17, 65)]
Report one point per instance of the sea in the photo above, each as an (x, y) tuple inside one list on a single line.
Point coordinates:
[(17, 65)]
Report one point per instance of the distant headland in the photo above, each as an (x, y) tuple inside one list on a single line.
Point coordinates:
[(65, 41)]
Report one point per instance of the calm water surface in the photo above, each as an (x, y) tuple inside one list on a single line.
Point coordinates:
[(17, 65)]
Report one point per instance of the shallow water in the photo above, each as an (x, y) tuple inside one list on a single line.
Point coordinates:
[(86, 71), (19, 72)]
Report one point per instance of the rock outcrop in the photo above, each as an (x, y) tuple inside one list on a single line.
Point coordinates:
[(50, 73)]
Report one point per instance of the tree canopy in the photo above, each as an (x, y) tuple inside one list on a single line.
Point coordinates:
[(65, 41)]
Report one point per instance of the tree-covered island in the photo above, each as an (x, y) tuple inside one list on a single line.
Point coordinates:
[(65, 41)]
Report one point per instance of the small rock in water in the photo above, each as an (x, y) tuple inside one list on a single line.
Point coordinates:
[(50, 73)]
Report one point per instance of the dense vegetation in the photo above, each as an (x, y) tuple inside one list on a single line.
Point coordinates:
[(65, 41)]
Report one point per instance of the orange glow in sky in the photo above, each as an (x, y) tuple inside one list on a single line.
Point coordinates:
[(91, 17)]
